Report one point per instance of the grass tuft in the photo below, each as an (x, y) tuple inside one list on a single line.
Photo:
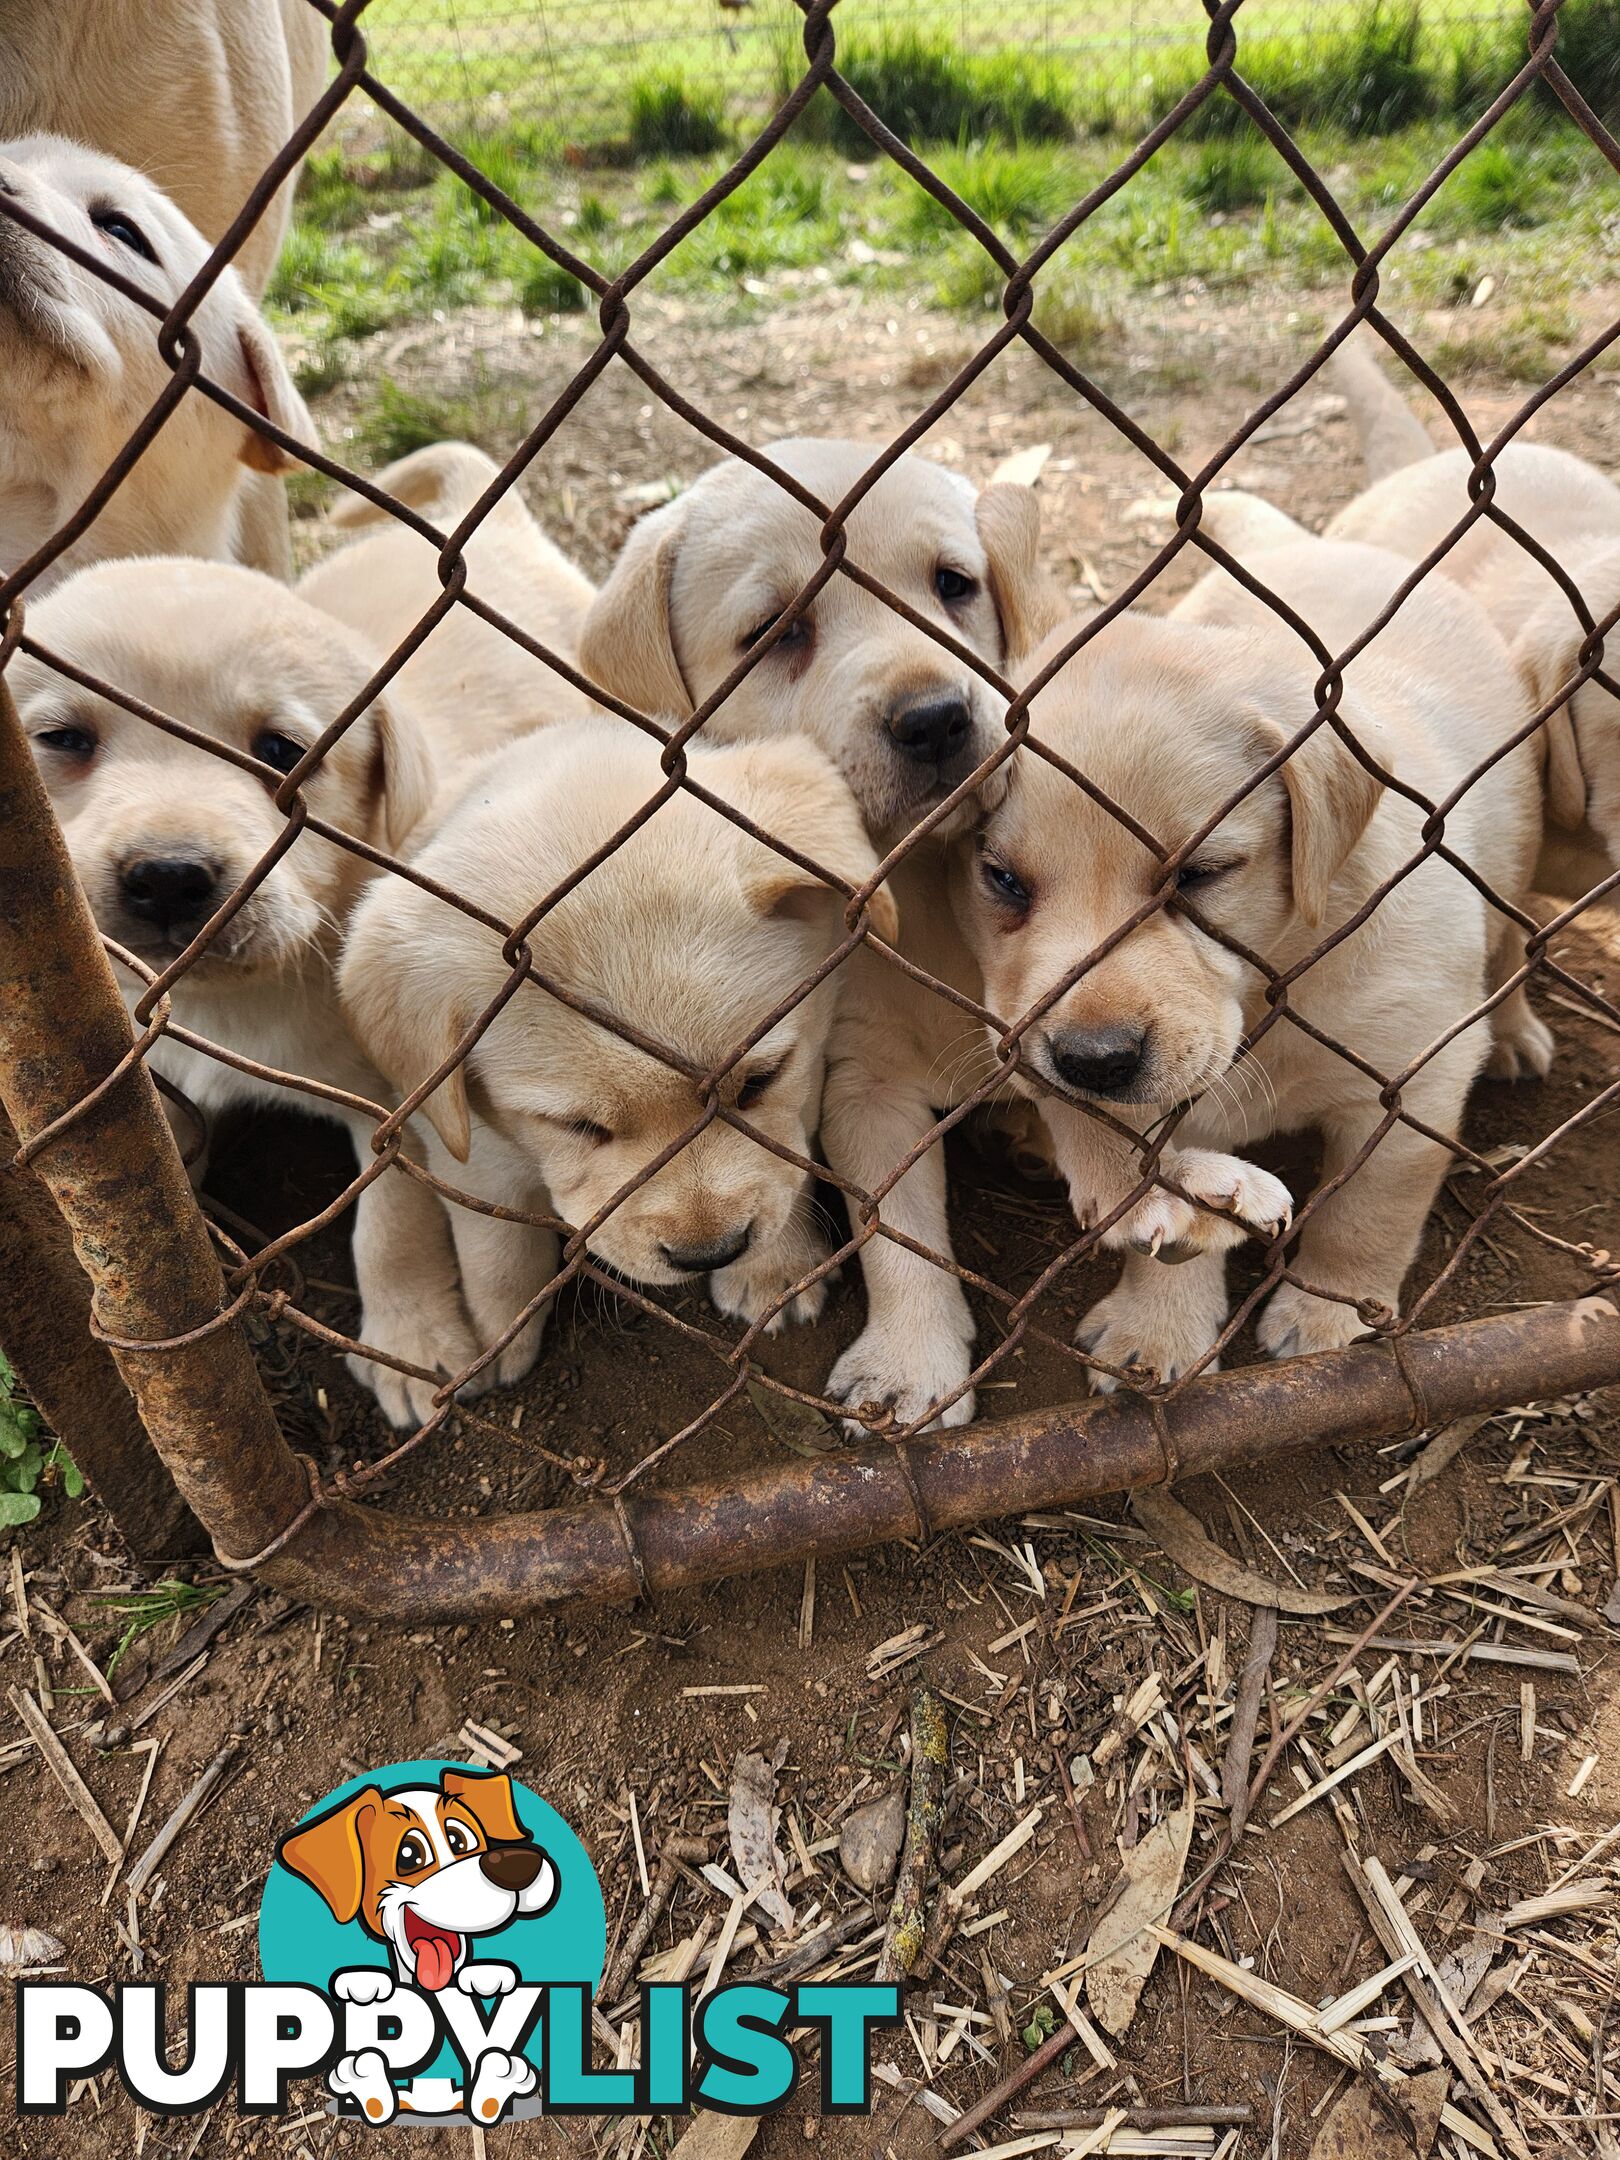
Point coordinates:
[(929, 91), (1234, 172), (671, 116)]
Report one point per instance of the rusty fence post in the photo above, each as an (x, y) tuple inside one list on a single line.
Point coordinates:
[(117, 1180), (45, 1333)]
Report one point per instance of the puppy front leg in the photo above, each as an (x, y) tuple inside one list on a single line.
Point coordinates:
[(410, 1300), (504, 1267), (917, 1345), (1363, 1238), (1100, 1167)]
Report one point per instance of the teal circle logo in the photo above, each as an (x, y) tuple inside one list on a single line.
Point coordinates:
[(425, 1896)]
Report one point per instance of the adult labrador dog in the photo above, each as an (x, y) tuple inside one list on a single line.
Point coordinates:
[(81, 367)]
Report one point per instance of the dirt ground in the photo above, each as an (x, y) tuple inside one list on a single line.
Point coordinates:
[(1034, 1656)]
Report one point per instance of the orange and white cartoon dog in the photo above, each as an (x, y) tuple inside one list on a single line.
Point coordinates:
[(426, 1870)]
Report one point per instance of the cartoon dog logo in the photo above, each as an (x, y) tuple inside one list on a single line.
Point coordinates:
[(426, 1870)]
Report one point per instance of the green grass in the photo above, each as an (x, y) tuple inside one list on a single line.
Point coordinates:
[(928, 90), (1236, 172), (670, 116), (170, 1600)]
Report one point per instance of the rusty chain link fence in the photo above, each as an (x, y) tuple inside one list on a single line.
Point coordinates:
[(173, 1295)]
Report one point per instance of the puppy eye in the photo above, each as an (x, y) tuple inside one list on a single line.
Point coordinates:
[(795, 636), (73, 742), (458, 1837), (277, 751), (954, 585), (755, 1085), (585, 1128), (413, 1853), (1005, 884), (119, 226), (1194, 876)]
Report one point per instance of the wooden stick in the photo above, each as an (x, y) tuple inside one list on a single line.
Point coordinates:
[(1016, 2079), (1140, 2118), (907, 1927), (155, 1854), (670, 1854), (1246, 1718), (60, 1764)]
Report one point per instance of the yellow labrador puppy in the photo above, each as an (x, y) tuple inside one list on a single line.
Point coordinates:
[(162, 832), (384, 580), (1169, 718), (700, 581), (1569, 508), (690, 932), (81, 368)]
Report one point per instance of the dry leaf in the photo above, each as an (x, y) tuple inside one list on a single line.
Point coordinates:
[(1443, 1450), (1120, 1944), (1023, 468), (751, 1818), (1357, 2128), (716, 2137), (1181, 1535), (869, 1843), (799, 1426), (25, 1949)]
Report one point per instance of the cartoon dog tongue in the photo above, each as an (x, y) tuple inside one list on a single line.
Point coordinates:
[(435, 1950)]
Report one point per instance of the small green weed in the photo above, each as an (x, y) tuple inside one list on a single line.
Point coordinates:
[(25, 1464)]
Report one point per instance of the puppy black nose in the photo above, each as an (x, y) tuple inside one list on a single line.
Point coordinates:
[(512, 1867), (166, 889), (1101, 1061), (932, 727), (704, 1259)]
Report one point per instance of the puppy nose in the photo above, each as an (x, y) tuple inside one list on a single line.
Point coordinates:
[(704, 1259), (1101, 1061), (932, 727), (512, 1867), (168, 888)]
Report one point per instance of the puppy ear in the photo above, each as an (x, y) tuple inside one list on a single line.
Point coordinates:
[(628, 643), (255, 371), (403, 1007), (1331, 797), (1547, 650), (797, 793), (409, 775), (1027, 600), (488, 1796), (328, 1854)]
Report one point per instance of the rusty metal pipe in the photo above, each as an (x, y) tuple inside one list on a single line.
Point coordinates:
[(410, 1567), (118, 1182)]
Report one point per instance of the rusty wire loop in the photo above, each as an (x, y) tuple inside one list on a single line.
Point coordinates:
[(1016, 1316)]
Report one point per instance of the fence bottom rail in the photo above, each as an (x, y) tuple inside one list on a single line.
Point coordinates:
[(364, 1560)]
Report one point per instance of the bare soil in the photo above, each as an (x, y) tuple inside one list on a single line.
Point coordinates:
[(601, 1704)]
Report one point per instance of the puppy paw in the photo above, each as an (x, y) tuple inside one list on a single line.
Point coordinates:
[(1164, 1322), (1243, 1198), (1294, 1323), (434, 1332), (486, 1980), (363, 1984), (752, 1285), (1522, 1045), (517, 1360), (906, 1373), (364, 2079), (498, 2080)]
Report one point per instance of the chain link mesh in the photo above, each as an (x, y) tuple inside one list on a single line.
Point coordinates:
[(267, 1278)]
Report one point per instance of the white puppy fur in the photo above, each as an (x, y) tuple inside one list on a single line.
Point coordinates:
[(1169, 717), (690, 932), (1569, 508), (162, 832), (384, 580), (200, 94), (702, 579), (81, 367)]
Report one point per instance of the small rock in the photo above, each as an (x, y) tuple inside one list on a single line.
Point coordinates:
[(869, 1843)]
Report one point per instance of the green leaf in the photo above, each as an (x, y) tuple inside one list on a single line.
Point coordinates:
[(17, 1508)]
